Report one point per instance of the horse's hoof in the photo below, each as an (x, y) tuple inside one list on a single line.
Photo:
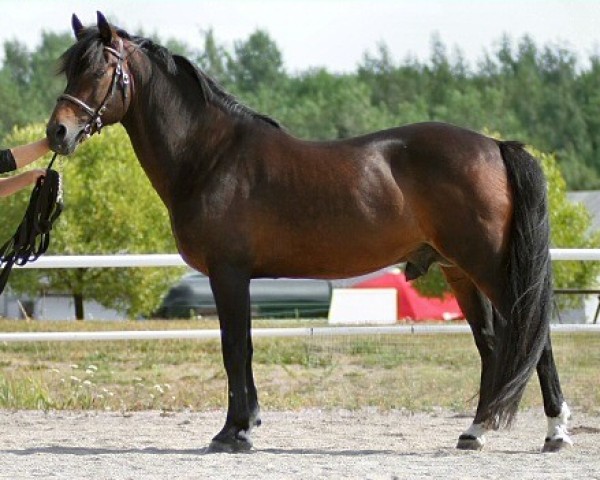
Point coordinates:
[(217, 446), (232, 443), (469, 442), (556, 445), (255, 420)]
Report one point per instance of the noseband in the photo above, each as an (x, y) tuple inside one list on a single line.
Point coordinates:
[(120, 79)]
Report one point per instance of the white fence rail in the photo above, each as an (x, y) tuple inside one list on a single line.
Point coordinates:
[(584, 254), (175, 260), (104, 261), (307, 332)]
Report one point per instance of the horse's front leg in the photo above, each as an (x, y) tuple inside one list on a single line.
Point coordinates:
[(253, 405), (231, 289)]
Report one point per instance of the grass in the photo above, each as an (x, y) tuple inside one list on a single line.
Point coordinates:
[(417, 372)]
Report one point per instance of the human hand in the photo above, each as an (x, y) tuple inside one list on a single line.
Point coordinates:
[(34, 174)]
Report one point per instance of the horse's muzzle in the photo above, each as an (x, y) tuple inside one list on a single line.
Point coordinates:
[(62, 139)]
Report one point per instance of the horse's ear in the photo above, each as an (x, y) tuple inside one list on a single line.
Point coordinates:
[(106, 31), (77, 27)]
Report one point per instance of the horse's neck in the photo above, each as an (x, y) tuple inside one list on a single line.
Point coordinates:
[(149, 150), (163, 132)]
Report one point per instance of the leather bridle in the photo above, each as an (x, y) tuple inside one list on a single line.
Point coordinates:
[(32, 237), (120, 79)]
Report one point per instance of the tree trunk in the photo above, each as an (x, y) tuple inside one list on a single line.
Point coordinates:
[(79, 313)]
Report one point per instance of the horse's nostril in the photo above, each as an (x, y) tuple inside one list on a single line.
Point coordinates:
[(61, 132), (57, 134)]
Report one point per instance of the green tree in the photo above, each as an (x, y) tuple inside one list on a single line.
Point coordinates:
[(14, 87), (588, 97), (11, 112), (256, 62), (28, 81), (214, 58), (570, 228), (442, 77), (399, 89), (110, 207), (45, 85)]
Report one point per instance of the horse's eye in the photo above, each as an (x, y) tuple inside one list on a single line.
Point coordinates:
[(99, 73)]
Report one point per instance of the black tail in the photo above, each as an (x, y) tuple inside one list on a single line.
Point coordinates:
[(523, 321)]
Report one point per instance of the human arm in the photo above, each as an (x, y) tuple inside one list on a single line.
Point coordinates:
[(26, 154), (13, 184)]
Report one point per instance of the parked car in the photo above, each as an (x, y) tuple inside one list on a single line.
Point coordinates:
[(269, 298)]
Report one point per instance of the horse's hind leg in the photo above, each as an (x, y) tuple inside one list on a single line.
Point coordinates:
[(555, 407), (479, 314)]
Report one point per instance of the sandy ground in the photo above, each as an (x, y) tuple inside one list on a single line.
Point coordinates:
[(309, 444)]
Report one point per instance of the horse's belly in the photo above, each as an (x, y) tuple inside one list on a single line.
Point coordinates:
[(317, 256)]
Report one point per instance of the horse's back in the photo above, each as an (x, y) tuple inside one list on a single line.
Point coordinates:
[(335, 209), (434, 170), (358, 204), (422, 155), (431, 145)]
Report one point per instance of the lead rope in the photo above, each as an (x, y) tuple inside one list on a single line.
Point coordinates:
[(32, 237)]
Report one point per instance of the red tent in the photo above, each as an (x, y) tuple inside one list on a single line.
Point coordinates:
[(411, 305)]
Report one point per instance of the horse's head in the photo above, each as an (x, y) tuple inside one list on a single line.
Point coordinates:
[(98, 89)]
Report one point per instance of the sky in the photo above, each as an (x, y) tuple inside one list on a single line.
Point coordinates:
[(327, 33)]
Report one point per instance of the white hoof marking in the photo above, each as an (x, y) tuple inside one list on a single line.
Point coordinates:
[(473, 438), (557, 436)]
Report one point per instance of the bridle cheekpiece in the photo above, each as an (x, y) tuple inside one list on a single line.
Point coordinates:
[(120, 79)]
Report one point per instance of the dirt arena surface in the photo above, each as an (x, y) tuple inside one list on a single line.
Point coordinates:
[(309, 444)]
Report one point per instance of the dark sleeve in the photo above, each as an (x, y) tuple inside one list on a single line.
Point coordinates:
[(7, 161)]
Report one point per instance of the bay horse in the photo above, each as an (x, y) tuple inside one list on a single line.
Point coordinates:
[(247, 199)]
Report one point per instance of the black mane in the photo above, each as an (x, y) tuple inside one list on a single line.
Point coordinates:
[(87, 54), (215, 94)]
